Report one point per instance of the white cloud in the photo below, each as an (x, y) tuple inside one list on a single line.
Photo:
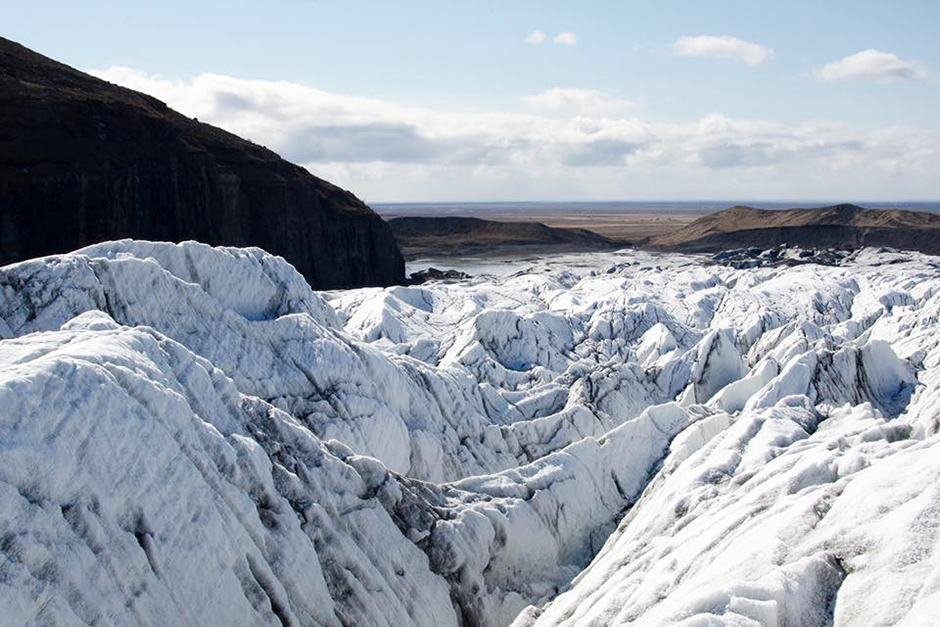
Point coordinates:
[(723, 47), (535, 37), (574, 144), (566, 39), (872, 65), (581, 101)]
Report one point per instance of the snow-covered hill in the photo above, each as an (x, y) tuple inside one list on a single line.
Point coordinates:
[(190, 435)]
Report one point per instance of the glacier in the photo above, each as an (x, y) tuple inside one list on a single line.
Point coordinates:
[(191, 435)]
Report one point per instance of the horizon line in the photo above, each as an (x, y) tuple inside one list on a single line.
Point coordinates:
[(826, 201)]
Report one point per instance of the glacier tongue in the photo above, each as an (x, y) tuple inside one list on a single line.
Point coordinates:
[(191, 435)]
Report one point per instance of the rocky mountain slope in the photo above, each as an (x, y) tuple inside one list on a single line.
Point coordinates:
[(191, 435), (838, 226), (451, 235), (82, 161)]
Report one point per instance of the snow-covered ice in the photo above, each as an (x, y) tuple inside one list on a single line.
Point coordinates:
[(190, 435)]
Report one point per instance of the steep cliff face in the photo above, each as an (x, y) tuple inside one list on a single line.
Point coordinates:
[(82, 160)]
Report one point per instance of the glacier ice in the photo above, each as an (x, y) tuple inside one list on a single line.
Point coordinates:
[(191, 435)]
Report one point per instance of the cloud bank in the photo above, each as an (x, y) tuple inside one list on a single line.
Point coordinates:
[(563, 143), (566, 39), (872, 65), (723, 47)]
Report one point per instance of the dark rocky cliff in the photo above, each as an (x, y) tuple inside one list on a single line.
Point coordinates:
[(82, 160)]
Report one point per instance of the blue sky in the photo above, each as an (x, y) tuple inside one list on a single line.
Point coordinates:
[(420, 100)]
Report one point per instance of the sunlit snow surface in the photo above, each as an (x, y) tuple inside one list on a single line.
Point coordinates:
[(192, 436)]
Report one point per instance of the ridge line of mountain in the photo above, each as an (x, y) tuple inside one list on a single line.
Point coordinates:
[(84, 161)]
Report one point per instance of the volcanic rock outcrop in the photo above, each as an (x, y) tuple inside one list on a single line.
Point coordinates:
[(83, 161)]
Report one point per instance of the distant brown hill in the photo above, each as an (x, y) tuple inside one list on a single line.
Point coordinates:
[(838, 226), (82, 160), (474, 236)]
